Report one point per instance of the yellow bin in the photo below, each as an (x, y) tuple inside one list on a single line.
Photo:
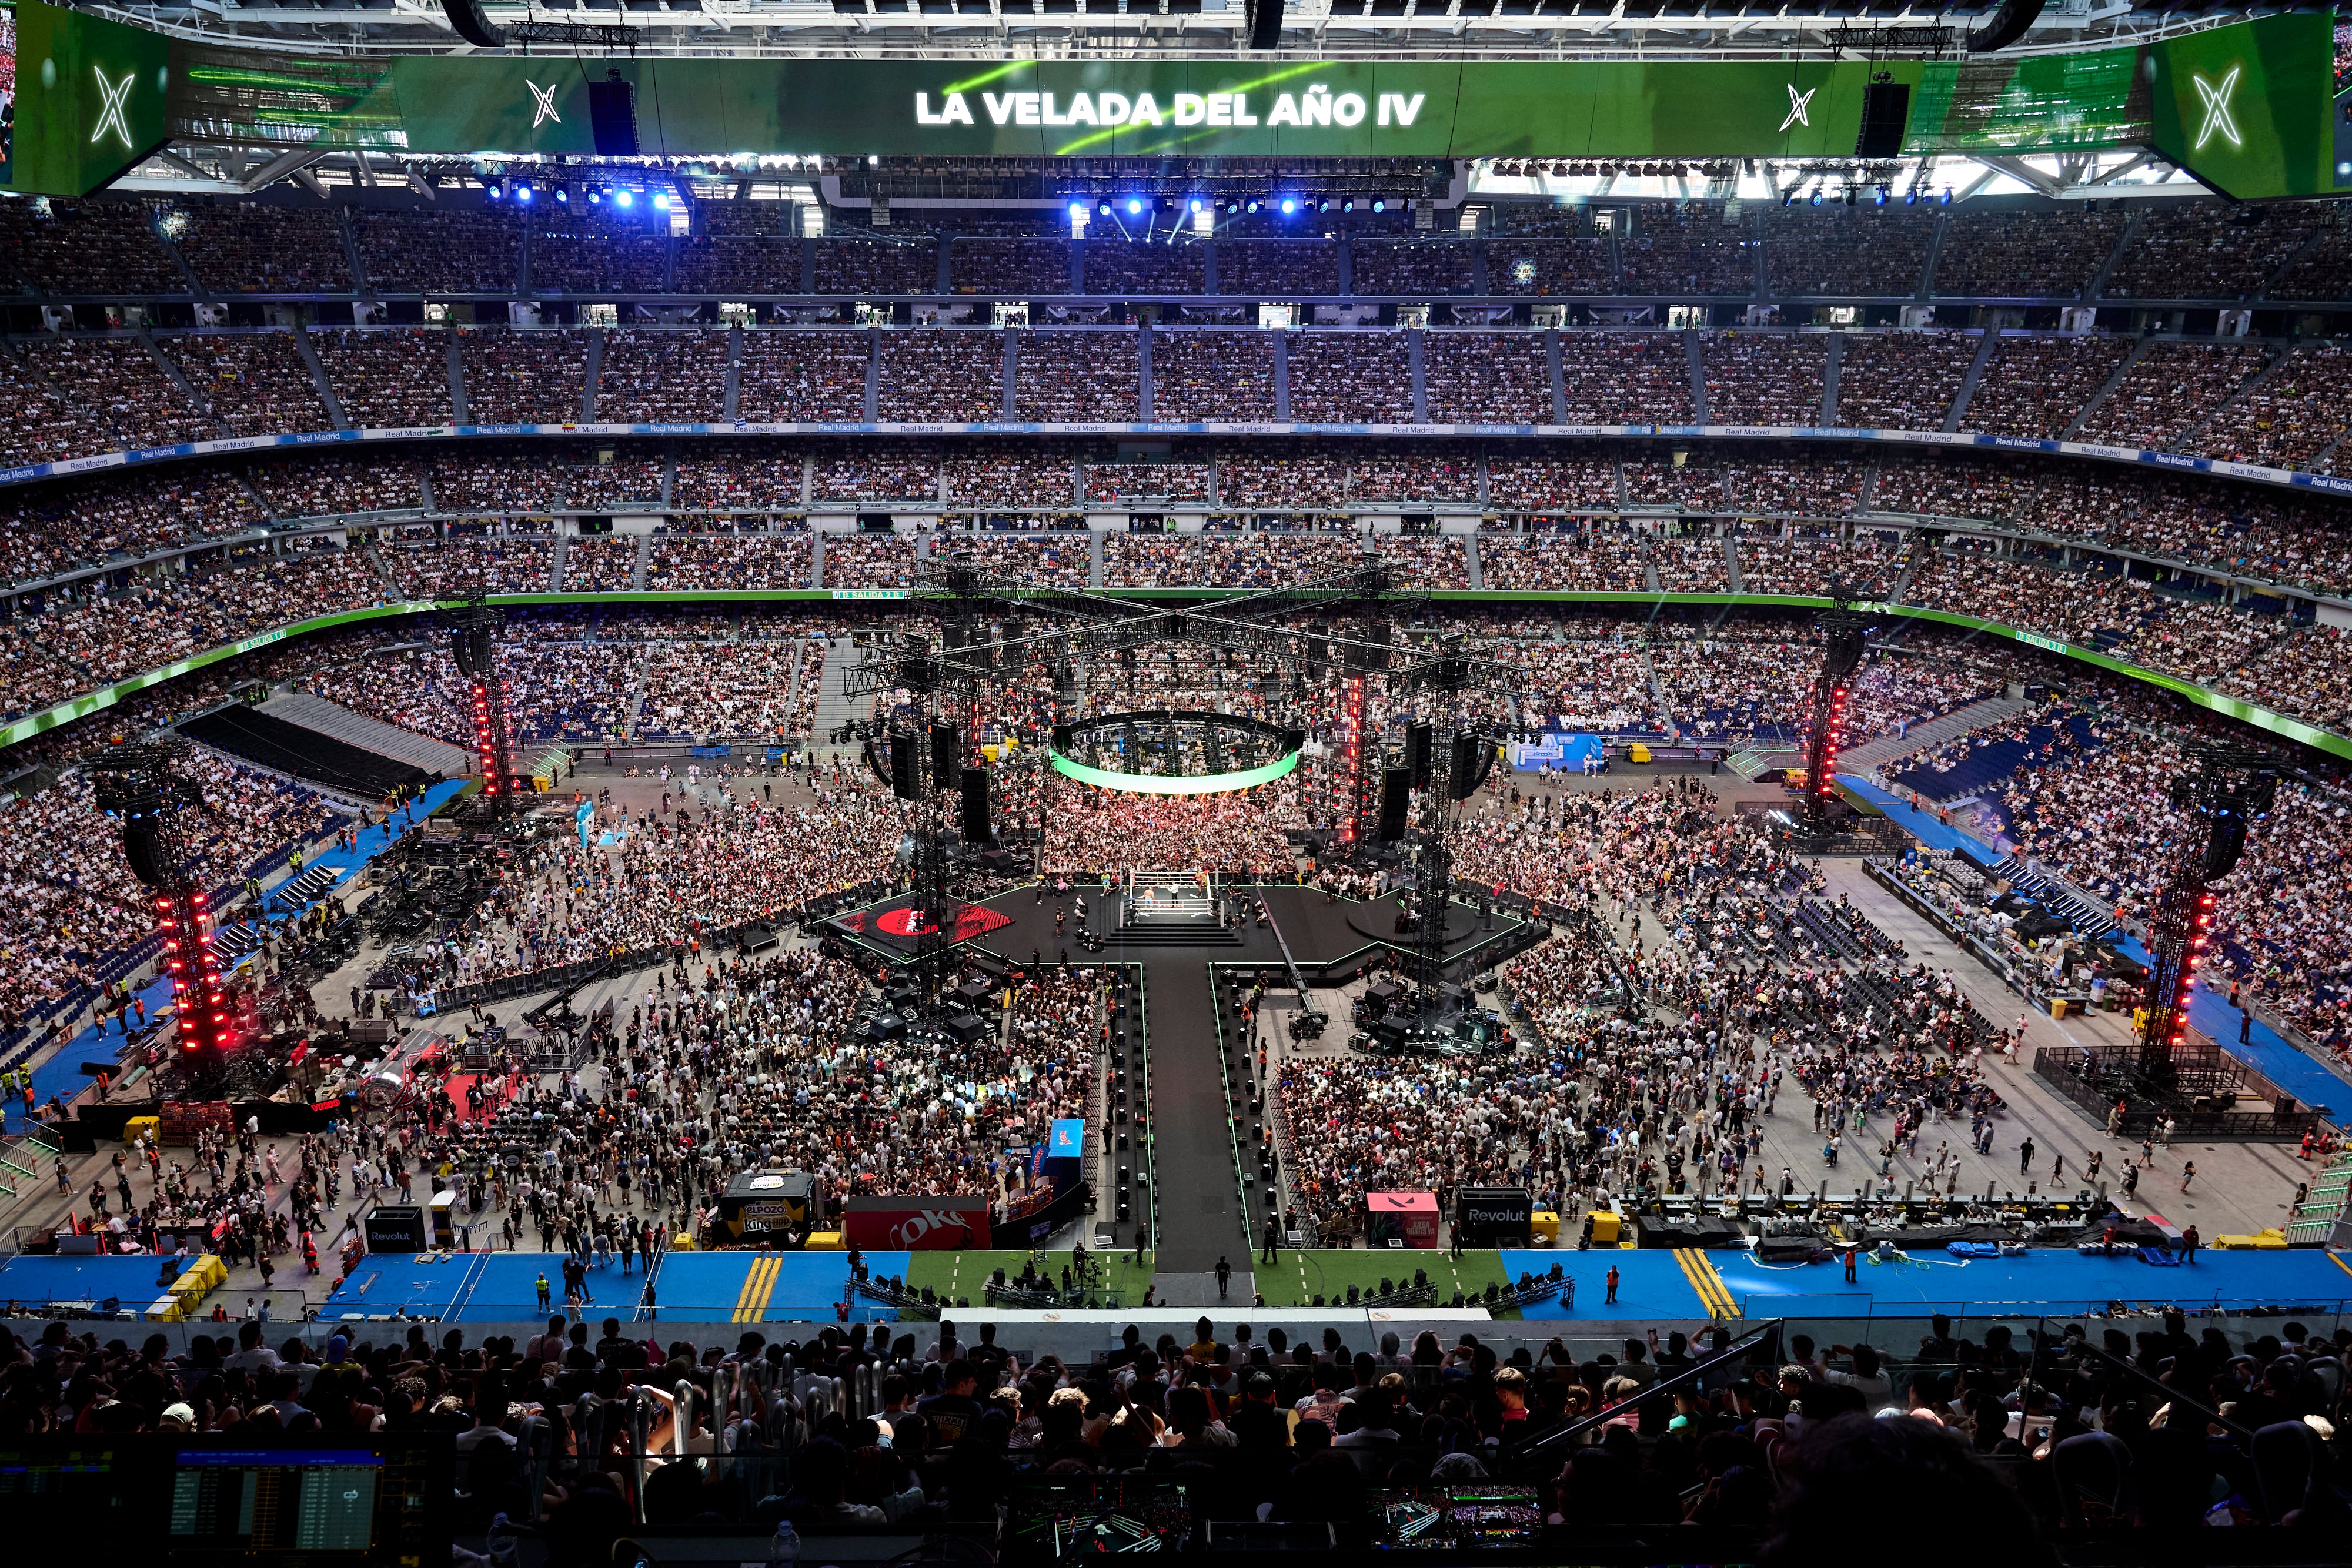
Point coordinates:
[(824, 1242), (150, 1125), (1545, 1226)]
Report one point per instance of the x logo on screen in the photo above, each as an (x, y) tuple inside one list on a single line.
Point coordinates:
[(2216, 110), (1798, 104), (544, 98), (114, 99)]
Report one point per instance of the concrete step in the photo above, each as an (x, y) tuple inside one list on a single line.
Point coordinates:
[(1977, 715), (332, 719), (834, 704)]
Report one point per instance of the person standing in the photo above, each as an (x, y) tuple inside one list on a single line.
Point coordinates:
[(1225, 1277), (1612, 1300), (2188, 1242), (1267, 1255), (2187, 1174)]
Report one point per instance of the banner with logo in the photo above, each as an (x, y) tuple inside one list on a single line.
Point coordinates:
[(2247, 107), (88, 99), (886, 1223)]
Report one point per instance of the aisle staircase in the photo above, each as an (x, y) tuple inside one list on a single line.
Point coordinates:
[(21, 1160), (2322, 1214), (338, 723), (1752, 762), (2092, 917), (1961, 721), (834, 706)]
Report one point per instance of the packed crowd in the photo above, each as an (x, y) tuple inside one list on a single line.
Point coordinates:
[(674, 376), (1991, 253), (1901, 380), (2037, 387), (1482, 378), (1834, 250), (439, 253), (1076, 377), (254, 383), (390, 378), (246, 247), (74, 394)]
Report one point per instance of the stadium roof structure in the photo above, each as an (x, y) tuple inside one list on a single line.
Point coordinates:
[(1108, 29), (945, 102)]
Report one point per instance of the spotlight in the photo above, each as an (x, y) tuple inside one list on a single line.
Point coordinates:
[(522, 193), (1817, 198), (563, 195), (494, 191), (1134, 207), (1195, 204), (1347, 206), (1077, 210), (661, 202), (1289, 206), (1102, 209), (1324, 205), (1911, 197), (595, 198), (1947, 198), (1253, 204), (1379, 205), (623, 199)]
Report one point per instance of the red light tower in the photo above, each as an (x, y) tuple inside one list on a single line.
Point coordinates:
[(2232, 791), (473, 640), (137, 786), (201, 1010), (1825, 724)]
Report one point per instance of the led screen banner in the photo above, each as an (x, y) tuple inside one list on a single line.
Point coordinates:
[(88, 99), (1142, 109), (2249, 106)]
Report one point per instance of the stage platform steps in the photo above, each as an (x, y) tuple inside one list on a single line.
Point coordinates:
[(1170, 909), (340, 723), (305, 754)]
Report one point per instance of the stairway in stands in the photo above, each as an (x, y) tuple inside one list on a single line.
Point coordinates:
[(1934, 732), (835, 706), (2092, 917), (267, 741), (342, 724)]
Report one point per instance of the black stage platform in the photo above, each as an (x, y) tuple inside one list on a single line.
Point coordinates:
[(1330, 940)]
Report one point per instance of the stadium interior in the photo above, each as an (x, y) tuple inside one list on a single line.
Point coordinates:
[(835, 782)]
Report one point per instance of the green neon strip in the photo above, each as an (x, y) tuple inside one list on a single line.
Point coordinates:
[(1164, 784)]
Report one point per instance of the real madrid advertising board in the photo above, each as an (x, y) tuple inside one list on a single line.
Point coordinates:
[(2249, 107)]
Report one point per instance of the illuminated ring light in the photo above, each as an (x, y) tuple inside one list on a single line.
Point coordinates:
[(1235, 733)]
